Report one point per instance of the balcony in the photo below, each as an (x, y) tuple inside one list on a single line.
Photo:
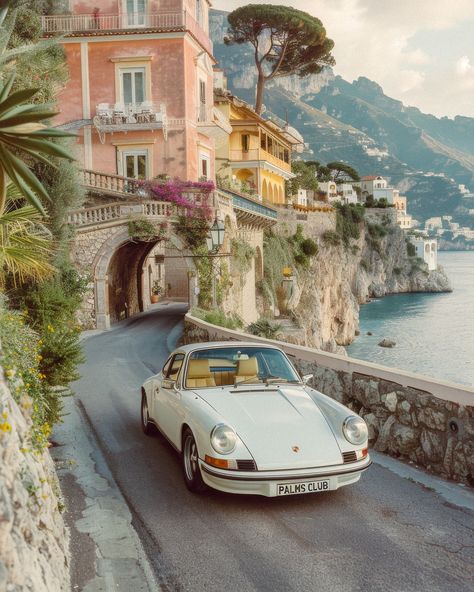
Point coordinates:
[(258, 157), (133, 23), (250, 211), (120, 117)]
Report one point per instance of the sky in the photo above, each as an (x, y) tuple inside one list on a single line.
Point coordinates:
[(420, 51)]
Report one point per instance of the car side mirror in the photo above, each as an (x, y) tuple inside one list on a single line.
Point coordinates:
[(306, 378), (168, 384)]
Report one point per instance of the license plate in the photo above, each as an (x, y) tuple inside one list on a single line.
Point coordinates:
[(304, 487)]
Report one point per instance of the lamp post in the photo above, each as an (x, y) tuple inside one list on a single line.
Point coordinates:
[(215, 240)]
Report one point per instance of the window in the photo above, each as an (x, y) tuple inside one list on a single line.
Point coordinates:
[(135, 10), (199, 12), (175, 367), (135, 164), (286, 155), (263, 141), (270, 145), (132, 85), (245, 142), (202, 114), (166, 366), (204, 166)]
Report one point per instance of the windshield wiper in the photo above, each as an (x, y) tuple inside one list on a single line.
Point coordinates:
[(251, 380), (272, 379)]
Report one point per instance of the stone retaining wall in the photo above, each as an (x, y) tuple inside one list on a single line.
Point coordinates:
[(34, 553), (428, 422)]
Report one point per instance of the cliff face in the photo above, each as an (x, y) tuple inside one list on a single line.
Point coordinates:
[(327, 295)]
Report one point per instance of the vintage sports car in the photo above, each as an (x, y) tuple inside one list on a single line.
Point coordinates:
[(245, 422)]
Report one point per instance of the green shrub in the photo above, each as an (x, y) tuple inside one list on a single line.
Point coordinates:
[(21, 347), (218, 317), (265, 328), (242, 255), (376, 230), (364, 264), (411, 251), (309, 247), (397, 270), (331, 238), (51, 307), (348, 220), (142, 229)]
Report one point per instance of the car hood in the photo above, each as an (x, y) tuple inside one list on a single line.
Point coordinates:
[(282, 427)]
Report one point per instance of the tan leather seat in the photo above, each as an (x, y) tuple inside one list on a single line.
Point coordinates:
[(224, 378), (199, 374), (247, 370)]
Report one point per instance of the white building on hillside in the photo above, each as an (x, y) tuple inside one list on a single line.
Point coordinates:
[(302, 197), (347, 193), (328, 191), (426, 249), (369, 184)]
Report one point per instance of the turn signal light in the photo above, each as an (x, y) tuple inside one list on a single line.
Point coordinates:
[(362, 453), (221, 463)]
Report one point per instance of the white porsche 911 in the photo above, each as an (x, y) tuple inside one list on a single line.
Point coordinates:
[(245, 422)]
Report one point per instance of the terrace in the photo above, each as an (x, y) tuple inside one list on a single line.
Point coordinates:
[(97, 24), (119, 117)]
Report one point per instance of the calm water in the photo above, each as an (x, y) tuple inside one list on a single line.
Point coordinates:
[(434, 333)]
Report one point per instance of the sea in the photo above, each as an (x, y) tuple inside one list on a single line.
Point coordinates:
[(434, 333)]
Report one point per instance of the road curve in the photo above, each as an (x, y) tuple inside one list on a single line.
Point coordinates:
[(385, 533)]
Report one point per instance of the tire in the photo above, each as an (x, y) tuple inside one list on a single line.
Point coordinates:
[(147, 427), (190, 458)]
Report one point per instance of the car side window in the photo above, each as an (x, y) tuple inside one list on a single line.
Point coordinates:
[(175, 367), (166, 367)]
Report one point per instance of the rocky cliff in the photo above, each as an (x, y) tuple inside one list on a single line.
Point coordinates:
[(328, 293), (34, 554)]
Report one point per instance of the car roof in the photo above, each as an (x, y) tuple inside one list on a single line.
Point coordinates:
[(219, 344)]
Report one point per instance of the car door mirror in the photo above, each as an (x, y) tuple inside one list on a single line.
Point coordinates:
[(306, 378), (168, 384)]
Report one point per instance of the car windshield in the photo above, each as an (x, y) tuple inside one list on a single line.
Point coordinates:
[(226, 366)]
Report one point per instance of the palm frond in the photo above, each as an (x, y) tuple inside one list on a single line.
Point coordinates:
[(25, 244)]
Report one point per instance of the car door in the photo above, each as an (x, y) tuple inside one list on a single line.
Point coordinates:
[(167, 410)]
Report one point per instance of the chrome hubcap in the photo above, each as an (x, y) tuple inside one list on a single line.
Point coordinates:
[(190, 458)]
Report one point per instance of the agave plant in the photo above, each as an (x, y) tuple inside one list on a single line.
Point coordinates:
[(25, 243), (22, 132)]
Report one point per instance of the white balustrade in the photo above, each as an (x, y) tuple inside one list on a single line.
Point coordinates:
[(119, 212)]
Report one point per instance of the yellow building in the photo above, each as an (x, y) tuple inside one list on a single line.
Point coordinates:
[(256, 157)]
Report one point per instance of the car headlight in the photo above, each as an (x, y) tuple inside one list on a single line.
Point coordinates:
[(355, 430), (223, 439)]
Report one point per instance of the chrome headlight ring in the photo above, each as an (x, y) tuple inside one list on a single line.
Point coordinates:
[(223, 439), (355, 430)]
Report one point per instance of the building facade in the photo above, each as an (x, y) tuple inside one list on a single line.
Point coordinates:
[(426, 249), (256, 159), (140, 93)]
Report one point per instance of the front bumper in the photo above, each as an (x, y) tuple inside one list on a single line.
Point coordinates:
[(266, 482)]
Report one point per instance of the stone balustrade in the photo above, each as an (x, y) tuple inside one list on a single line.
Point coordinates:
[(426, 421), (118, 212)]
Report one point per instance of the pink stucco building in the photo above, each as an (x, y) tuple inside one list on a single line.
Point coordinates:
[(140, 92)]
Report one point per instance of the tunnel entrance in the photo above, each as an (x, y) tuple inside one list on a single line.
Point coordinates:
[(133, 269)]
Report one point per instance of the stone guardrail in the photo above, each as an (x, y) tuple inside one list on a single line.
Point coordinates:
[(427, 421)]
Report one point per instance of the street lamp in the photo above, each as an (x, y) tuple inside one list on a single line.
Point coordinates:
[(215, 240), (215, 237)]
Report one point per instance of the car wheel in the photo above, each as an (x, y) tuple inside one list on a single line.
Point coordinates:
[(147, 426), (191, 470)]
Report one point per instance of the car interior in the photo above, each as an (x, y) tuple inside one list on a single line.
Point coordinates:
[(204, 372)]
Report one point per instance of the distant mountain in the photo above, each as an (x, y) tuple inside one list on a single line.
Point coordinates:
[(356, 122)]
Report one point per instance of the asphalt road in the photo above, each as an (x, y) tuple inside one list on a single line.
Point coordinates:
[(385, 533)]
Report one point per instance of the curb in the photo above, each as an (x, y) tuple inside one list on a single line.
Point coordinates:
[(106, 550)]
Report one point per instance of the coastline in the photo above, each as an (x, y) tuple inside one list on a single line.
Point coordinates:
[(431, 330)]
